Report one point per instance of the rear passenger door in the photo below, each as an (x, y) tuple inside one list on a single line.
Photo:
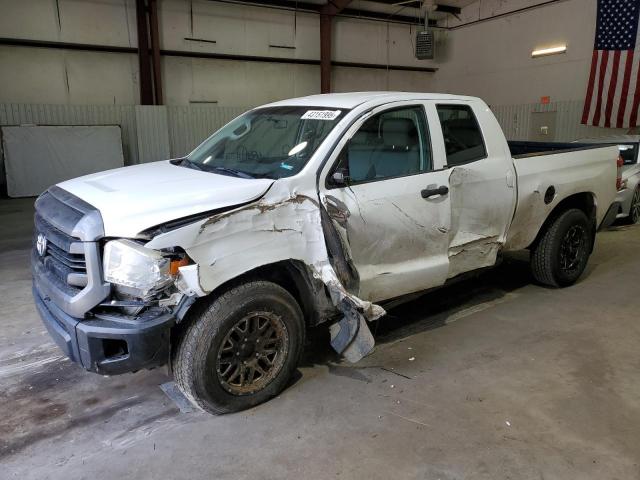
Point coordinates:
[(391, 209), (481, 181)]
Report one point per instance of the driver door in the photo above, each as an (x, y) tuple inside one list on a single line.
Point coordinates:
[(390, 203)]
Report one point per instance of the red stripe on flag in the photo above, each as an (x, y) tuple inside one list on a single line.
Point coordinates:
[(603, 71), (613, 82), (636, 100), (625, 88), (592, 78)]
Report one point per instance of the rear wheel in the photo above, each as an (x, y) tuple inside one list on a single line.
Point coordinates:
[(561, 254), (634, 210), (241, 349)]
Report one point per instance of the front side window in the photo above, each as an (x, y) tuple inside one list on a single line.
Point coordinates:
[(393, 143), (463, 140), (271, 142)]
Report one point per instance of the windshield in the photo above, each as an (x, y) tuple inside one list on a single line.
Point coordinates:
[(271, 142)]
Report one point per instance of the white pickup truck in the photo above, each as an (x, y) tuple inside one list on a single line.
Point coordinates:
[(315, 209)]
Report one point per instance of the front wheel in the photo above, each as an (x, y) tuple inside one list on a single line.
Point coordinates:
[(240, 349), (561, 254)]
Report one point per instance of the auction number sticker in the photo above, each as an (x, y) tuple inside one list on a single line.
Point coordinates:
[(321, 115)]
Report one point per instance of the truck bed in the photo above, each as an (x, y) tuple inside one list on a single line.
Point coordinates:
[(557, 173), (520, 149)]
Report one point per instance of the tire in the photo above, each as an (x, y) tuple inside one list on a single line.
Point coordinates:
[(634, 209), (216, 340), (561, 254)]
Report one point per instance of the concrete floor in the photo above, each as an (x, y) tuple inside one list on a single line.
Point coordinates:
[(492, 378)]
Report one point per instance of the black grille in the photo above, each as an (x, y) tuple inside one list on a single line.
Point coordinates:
[(58, 258)]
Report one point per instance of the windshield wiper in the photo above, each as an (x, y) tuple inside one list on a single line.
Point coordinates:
[(231, 171), (203, 167), (189, 164)]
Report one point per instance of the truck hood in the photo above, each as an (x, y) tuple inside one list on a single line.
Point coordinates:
[(132, 199)]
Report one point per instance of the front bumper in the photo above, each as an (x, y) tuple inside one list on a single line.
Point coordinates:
[(108, 344)]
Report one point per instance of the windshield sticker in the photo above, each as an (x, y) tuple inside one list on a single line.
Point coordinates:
[(286, 166), (321, 115)]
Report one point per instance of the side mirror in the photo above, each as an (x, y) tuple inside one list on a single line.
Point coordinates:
[(339, 179)]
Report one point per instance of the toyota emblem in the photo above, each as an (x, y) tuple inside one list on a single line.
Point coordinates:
[(41, 245)]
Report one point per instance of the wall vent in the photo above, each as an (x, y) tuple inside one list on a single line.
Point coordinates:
[(425, 45)]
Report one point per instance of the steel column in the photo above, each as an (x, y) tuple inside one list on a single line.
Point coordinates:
[(327, 12), (155, 50), (144, 59), (325, 53)]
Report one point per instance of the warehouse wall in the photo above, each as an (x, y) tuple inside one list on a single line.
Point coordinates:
[(515, 121), (492, 58), (36, 75)]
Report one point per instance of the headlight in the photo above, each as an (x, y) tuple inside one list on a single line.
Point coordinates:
[(140, 270)]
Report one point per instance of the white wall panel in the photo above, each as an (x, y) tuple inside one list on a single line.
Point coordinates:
[(347, 79), (32, 75), (239, 30), (190, 126), (100, 22), (492, 59), (515, 121), (40, 75), (234, 83), (42, 114), (152, 127), (110, 78), (38, 157), (29, 19)]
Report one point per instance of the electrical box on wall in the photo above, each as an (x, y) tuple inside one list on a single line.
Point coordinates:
[(425, 45)]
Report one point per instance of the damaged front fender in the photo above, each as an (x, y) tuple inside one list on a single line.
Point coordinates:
[(282, 226)]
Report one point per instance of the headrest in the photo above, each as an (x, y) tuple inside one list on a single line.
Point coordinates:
[(398, 132)]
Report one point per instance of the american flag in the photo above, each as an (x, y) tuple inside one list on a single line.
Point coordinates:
[(613, 92)]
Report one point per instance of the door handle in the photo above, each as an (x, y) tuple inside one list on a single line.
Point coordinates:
[(430, 192)]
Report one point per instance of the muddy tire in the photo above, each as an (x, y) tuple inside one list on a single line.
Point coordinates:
[(561, 254), (240, 349)]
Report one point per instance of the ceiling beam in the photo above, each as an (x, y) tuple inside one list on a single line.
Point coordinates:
[(315, 8)]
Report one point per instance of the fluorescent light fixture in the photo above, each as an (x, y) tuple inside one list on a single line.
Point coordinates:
[(541, 52)]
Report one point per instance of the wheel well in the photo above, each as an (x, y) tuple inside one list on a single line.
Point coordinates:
[(584, 201), (296, 278)]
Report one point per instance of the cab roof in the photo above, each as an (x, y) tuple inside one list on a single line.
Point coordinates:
[(353, 99)]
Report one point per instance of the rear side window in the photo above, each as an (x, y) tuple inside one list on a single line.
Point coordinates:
[(462, 136)]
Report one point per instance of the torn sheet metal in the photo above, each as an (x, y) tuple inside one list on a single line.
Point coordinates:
[(473, 254), (350, 336), (481, 206), (396, 240), (283, 225)]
